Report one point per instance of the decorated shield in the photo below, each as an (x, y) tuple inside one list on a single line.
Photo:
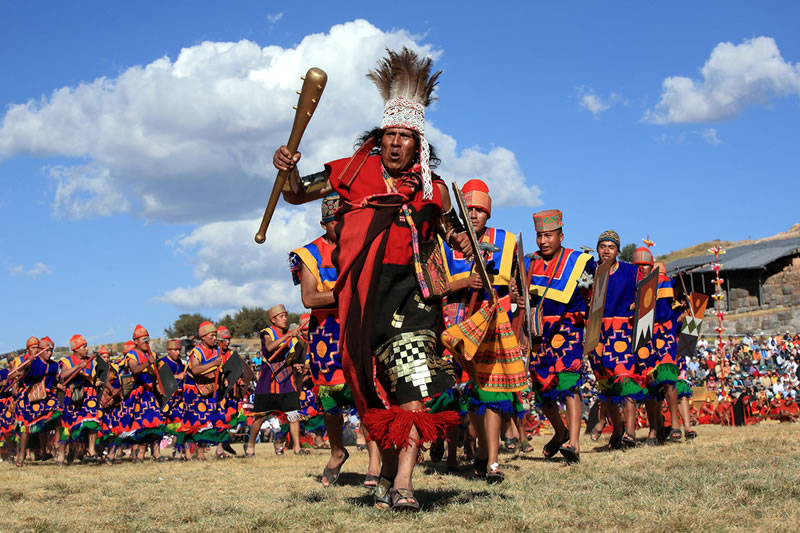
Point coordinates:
[(594, 323), (232, 370), (128, 382), (101, 371), (692, 321), (644, 312), (168, 384)]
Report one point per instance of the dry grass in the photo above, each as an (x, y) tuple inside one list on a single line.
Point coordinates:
[(728, 479)]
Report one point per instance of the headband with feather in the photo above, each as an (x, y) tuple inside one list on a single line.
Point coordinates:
[(405, 82)]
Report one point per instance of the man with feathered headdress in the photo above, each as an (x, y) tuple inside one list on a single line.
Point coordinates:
[(391, 205)]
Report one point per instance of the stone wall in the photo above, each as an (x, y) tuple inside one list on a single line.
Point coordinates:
[(781, 289), (779, 311), (767, 322)]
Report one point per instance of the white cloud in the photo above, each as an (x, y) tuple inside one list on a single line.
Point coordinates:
[(34, 272), (190, 140), (710, 136), (272, 18), (733, 78), (594, 104), (233, 270)]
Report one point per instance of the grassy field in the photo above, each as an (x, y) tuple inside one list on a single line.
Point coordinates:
[(729, 479)]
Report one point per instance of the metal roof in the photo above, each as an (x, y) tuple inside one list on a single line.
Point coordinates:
[(748, 257)]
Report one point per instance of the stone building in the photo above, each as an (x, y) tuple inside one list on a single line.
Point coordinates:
[(761, 285)]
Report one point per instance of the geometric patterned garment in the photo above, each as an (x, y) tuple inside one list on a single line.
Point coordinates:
[(144, 418), (174, 408), (562, 315), (80, 413), (663, 348), (612, 358), (7, 421), (325, 361), (486, 347), (498, 266), (203, 417), (37, 416), (276, 376)]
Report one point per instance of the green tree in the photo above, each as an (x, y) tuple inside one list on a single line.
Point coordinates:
[(248, 321), (626, 254), (229, 323), (186, 325)]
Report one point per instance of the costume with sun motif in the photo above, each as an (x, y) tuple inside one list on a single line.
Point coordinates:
[(613, 363)]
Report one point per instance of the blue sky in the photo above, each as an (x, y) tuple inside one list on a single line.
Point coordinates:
[(135, 143)]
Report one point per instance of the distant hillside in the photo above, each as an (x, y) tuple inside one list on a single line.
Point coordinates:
[(702, 248)]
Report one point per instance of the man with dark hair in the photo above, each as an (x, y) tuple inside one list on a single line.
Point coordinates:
[(392, 205), (613, 363), (560, 281)]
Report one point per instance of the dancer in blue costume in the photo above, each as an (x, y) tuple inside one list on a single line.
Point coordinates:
[(204, 417), (174, 408), (276, 390), (80, 417), (560, 283), (613, 363), (146, 421), (37, 408), (660, 368), (486, 408)]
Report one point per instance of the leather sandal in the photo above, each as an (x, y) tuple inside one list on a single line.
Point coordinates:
[(410, 503), (381, 494), (675, 435), (370, 481), (570, 454), (554, 444), (494, 475), (628, 441), (332, 474)]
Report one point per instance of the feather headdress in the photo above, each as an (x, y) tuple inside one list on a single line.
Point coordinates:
[(406, 85)]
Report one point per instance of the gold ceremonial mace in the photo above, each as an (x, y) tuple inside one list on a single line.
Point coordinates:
[(313, 84)]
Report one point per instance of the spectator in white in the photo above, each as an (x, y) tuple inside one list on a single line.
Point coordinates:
[(693, 366), (747, 340), (779, 360), (777, 387), (702, 344)]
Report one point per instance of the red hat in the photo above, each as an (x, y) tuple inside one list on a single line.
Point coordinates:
[(140, 332), (76, 342), (549, 220), (104, 349), (129, 346), (46, 342), (206, 328), (642, 256), (223, 333), (476, 194), (305, 318), (31, 342)]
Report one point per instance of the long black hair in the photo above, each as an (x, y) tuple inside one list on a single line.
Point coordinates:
[(377, 135)]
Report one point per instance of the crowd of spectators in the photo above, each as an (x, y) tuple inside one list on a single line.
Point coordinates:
[(764, 366)]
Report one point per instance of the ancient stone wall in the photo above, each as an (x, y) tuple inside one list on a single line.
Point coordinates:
[(779, 310)]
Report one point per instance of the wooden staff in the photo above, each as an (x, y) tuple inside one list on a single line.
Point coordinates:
[(313, 84)]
